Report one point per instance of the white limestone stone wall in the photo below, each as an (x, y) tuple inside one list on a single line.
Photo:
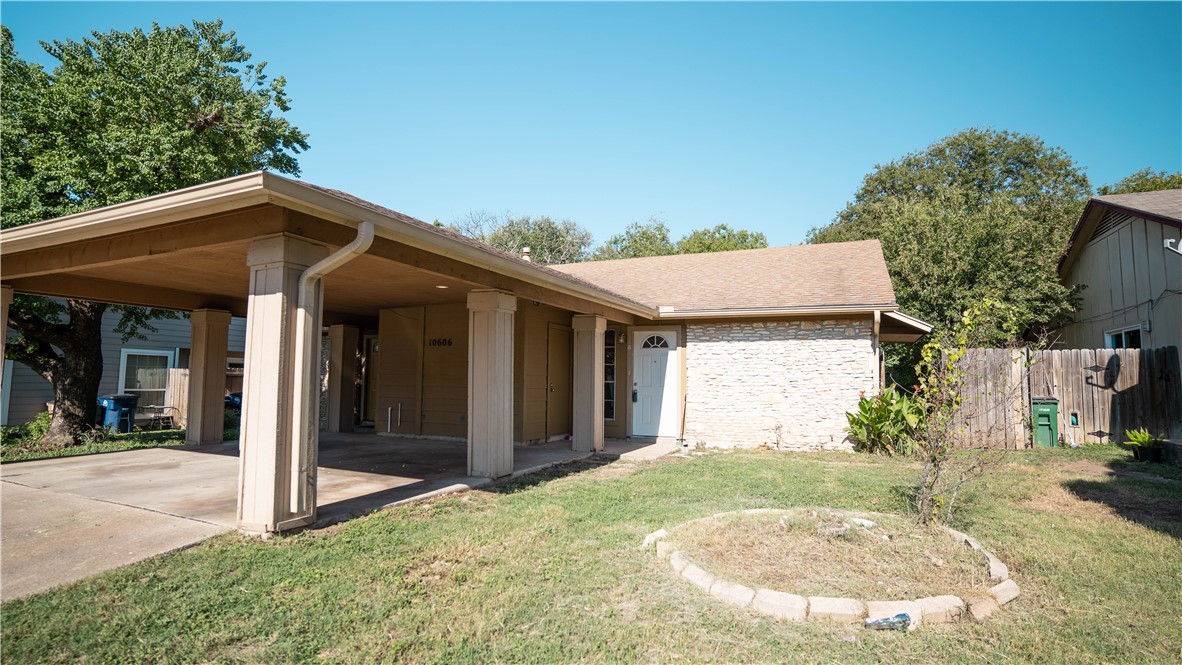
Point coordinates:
[(745, 379)]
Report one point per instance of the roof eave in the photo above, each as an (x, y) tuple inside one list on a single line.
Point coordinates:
[(747, 312)]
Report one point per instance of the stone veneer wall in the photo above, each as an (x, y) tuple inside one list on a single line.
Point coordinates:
[(744, 379)]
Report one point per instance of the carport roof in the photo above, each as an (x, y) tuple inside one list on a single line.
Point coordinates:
[(187, 250)]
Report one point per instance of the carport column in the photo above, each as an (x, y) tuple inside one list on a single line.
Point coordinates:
[(587, 401), (207, 375), (265, 489), (342, 376), (490, 383), (5, 301)]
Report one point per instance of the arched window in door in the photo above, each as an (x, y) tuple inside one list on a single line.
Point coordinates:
[(655, 342)]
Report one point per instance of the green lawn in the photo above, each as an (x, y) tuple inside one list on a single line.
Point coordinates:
[(18, 451), (546, 569)]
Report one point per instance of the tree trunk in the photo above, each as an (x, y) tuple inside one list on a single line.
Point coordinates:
[(70, 357)]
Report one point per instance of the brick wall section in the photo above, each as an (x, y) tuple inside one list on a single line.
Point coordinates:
[(743, 379)]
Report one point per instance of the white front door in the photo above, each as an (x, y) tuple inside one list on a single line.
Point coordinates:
[(656, 387)]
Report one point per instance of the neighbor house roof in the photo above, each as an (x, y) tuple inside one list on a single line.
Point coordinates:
[(824, 278), (1164, 207)]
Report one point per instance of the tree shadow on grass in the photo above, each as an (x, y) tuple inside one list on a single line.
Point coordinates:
[(1157, 506), (542, 476)]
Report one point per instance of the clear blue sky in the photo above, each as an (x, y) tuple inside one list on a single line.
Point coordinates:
[(764, 116)]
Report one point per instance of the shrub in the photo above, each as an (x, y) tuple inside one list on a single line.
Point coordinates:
[(885, 423), (28, 434), (1141, 437)]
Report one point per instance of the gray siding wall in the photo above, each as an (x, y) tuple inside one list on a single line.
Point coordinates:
[(29, 392), (1129, 275), (745, 379)]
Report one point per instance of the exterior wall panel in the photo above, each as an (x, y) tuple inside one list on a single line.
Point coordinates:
[(743, 380), (1130, 278)]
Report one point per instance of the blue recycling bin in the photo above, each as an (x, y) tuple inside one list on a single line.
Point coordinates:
[(119, 411)]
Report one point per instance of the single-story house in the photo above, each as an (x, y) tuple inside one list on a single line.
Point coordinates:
[(1127, 254), (459, 340)]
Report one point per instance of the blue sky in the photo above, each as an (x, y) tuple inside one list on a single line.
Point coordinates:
[(764, 116)]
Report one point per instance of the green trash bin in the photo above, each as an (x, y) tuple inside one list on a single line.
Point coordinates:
[(1046, 421)]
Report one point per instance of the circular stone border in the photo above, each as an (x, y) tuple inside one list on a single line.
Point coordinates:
[(791, 607)]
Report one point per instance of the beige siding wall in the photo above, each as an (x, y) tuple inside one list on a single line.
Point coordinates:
[(30, 392), (531, 373), (423, 365), (745, 379), (423, 371), (1129, 275), (399, 371)]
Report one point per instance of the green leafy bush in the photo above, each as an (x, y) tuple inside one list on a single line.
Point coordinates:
[(27, 434), (1141, 438), (885, 423)]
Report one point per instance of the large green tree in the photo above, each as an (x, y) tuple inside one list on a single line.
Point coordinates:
[(979, 214), (1145, 180), (123, 115), (549, 241)]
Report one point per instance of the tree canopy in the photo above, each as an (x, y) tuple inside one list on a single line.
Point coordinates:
[(979, 214), (652, 239), (1145, 180), (721, 238), (123, 115), (638, 239), (550, 241)]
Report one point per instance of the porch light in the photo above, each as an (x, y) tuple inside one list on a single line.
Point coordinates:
[(441, 286)]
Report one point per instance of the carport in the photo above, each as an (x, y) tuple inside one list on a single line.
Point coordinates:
[(293, 258)]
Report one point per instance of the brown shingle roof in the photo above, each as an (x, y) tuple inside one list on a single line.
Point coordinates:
[(1165, 203), (845, 274)]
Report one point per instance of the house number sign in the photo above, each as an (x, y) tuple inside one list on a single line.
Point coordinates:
[(439, 341)]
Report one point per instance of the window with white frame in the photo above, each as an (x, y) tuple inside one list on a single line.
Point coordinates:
[(144, 372), (1124, 338), (609, 375)]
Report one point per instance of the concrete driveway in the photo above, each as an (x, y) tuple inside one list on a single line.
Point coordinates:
[(69, 518)]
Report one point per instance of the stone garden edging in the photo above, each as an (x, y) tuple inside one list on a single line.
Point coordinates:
[(792, 607)]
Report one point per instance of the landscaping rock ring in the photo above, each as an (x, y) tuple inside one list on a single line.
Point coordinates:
[(792, 607)]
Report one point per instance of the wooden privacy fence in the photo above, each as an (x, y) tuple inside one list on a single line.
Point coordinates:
[(1106, 391), (176, 395)]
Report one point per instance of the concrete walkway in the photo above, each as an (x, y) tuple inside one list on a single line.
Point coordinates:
[(92, 513)]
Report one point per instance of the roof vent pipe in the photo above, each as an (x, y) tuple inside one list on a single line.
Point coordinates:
[(307, 348), (525, 254)]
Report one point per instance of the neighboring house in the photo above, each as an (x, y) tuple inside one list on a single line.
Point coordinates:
[(1127, 254), (137, 367), (432, 334)]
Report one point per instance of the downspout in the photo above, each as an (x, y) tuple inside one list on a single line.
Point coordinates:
[(879, 362), (304, 435)]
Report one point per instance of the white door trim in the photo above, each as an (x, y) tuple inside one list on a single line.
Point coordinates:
[(670, 405)]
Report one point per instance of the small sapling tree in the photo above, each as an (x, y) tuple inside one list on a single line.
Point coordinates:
[(956, 439)]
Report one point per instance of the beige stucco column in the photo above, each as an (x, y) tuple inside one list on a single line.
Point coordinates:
[(587, 399), (207, 375), (5, 301), (342, 376), (270, 462), (490, 383)]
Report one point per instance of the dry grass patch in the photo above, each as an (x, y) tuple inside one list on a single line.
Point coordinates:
[(819, 553)]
